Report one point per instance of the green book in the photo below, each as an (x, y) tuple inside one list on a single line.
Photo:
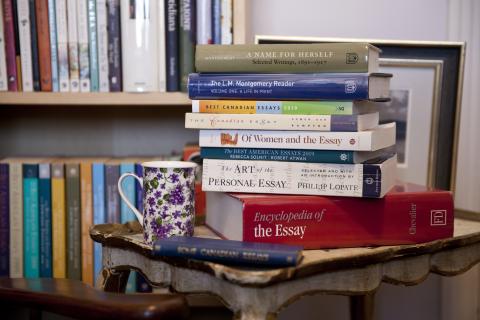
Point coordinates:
[(288, 58), (74, 246), (31, 225)]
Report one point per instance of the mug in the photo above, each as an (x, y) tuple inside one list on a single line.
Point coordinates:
[(168, 199)]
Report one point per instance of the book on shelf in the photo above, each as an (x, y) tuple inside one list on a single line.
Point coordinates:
[(74, 233), (86, 219), (187, 40), (24, 29), (52, 26), (62, 46), (333, 123), (204, 22), (93, 45), (229, 251), (114, 45), (44, 48), (290, 86), (370, 140), (3, 57), (45, 219), (227, 22), (83, 46), (73, 45), (288, 58), (4, 221), (59, 220), (99, 212), (216, 22), (139, 27), (162, 46), (31, 225), (371, 179), (312, 107), (18, 60), (102, 46), (171, 36), (10, 39), (292, 155), (407, 214)]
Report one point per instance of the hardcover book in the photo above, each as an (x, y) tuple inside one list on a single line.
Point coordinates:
[(285, 107), (59, 221), (187, 41), (333, 123), (229, 252), (9, 33), (139, 45), (34, 46), (292, 155), (370, 180), (370, 140), (114, 45), (407, 214), (288, 58), (290, 86)]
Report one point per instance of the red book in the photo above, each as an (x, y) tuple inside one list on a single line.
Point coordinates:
[(9, 29), (407, 214), (44, 54)]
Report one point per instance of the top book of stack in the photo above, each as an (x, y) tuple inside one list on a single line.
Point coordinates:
[(288, 58)]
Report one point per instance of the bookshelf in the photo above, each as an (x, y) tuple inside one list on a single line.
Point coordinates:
[(100, 124)]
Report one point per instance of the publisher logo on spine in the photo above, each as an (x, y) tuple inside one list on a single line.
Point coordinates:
[(352, 58), (438, 217), (350, 86)]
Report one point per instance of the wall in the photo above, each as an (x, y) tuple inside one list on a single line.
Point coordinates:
[(404, 20)]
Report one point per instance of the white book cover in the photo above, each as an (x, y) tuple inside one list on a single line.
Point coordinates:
[(62, 39), (102, 43), (139, 24), (326, 179), (23, 13), (204, 22), (73, 62), (3, 57), (370, 140), (83, 53), (337, 123), (16, 219), (162, 49), (227, 21)]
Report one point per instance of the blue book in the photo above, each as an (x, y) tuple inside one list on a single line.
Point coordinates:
[(52, 24), (171, 27), (92, 39), (291, 155), (139, 188), (229, 251), (4, 221), (31, 226), (98, 190), (294, 86), (126, 214), (34, 42), (45, 219), (216, 22)]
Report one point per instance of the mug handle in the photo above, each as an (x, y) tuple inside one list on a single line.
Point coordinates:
[(138, 214)]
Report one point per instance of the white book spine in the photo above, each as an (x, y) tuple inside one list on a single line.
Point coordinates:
[(370, 140), (162, 49), (62, 38), (227, 21), (139, 25), (3, 57), (16, 219), (25, 44), (102, 42), (204, 21), (73, 45), (83, 53)]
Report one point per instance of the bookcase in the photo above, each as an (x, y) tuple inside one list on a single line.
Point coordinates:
[(100, 124)]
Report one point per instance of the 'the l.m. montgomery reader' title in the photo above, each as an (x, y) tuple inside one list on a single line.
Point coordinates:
[(251, 84)]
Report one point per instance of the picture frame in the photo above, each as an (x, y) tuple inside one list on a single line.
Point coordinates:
[(442, 64)]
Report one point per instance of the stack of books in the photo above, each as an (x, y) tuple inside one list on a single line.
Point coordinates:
[(294, 152), (106, 45)]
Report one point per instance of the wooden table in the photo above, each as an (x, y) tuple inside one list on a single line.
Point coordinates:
[(261, 294)]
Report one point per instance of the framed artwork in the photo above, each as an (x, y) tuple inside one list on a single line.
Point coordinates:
[(425, 103)]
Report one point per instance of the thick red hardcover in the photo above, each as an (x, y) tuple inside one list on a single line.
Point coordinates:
[(407, 214), (44, 54)]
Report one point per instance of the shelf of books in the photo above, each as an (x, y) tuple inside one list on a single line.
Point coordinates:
[(94, 99)]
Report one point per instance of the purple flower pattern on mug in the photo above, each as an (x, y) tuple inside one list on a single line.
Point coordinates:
[(169, 204)]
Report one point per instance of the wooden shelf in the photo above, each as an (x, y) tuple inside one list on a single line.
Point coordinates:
[(93, 99)]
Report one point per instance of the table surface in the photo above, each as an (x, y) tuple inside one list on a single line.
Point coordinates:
[(129, 236)]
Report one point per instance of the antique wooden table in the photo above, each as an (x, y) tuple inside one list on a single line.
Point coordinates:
[(262, 293)]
